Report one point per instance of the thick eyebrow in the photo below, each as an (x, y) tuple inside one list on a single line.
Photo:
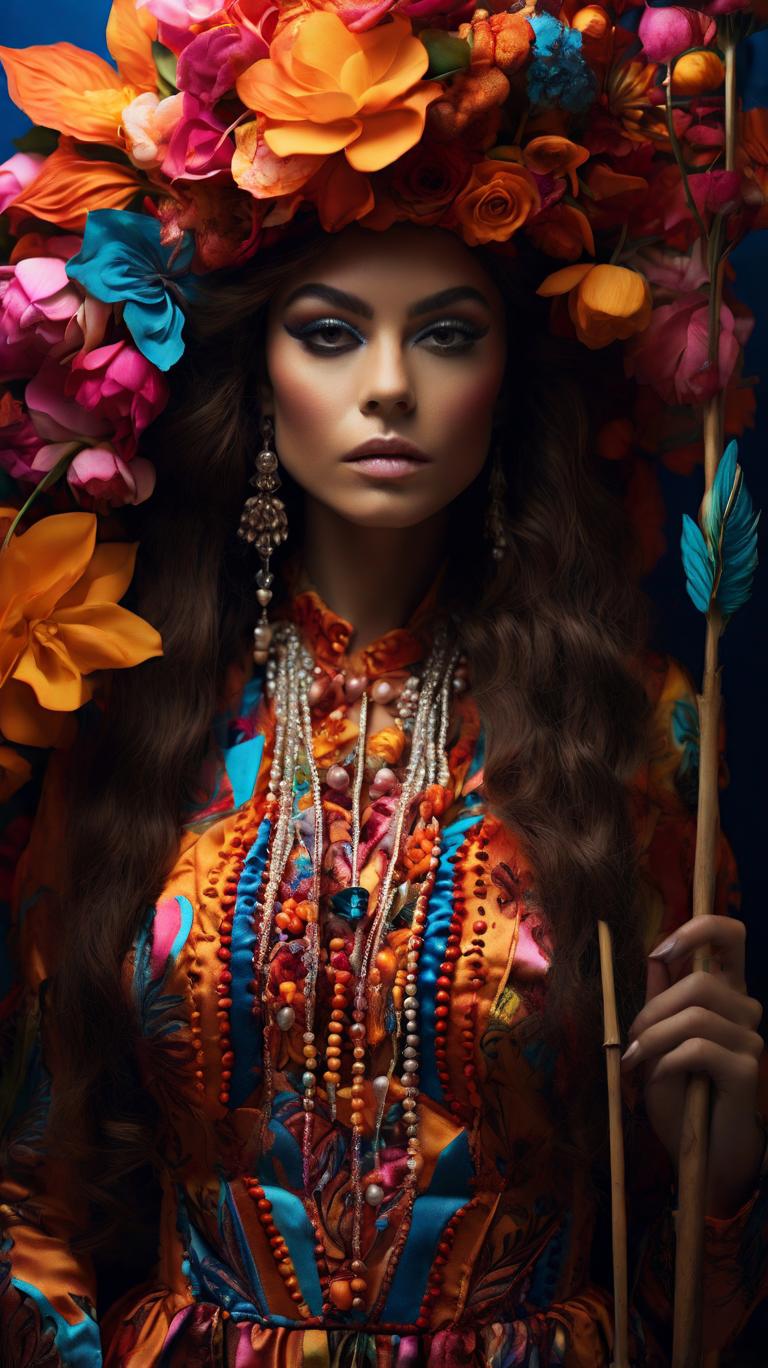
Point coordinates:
[(342, 300)]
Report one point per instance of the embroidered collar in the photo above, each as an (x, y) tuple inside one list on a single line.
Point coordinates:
[(327, 635)]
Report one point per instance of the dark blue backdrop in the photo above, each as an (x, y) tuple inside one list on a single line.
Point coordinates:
[(680, 629)]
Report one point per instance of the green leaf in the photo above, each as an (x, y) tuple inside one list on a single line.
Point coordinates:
[(38, 139), (447, 53), (165, 65)]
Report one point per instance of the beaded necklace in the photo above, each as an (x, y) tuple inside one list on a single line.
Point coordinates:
[(363, 983)]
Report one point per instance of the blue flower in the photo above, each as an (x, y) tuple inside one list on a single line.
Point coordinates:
[(558, 74), (122, 261)]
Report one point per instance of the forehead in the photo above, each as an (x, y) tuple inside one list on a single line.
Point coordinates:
[(392, 269)]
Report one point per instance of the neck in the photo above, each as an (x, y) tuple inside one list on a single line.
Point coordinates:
[(374, 577)]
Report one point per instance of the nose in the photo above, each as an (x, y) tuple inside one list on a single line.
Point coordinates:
[(386, 385)]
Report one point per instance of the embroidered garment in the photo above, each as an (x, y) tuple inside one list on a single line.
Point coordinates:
[(492, 1264)]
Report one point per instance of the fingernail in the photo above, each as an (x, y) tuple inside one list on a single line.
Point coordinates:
[(665, 949), (630, 1051)]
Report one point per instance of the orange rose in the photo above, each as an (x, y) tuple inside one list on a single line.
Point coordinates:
[(324, 89), (496, 202), (606, 303)]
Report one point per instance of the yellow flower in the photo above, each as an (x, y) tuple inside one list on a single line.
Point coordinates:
[(59, 621), (606, 302), (324, 89)]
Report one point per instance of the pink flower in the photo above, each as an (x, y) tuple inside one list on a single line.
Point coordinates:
[(37, 301), (715, 192), (16, 173), (19, 442), (359, 15), (148, 123), (672, 354), (108, 480), (667, 31), (56, 416), (674, 272), (199, 145), (212, 62), (182, 13), (120, 383)]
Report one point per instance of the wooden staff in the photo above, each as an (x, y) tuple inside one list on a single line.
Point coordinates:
[(694, 1136), (612, 1046)]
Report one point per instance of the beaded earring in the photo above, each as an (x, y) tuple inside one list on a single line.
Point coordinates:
[(263, 522)]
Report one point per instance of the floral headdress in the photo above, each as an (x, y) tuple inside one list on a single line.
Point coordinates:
[(608, 137)]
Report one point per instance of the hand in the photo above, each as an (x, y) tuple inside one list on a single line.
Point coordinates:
[(697, 1022)]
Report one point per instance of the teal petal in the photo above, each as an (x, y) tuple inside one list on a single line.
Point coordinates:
[(699, 571), (123, 261)]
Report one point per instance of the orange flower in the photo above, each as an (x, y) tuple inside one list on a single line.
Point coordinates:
[(555, 156), (14, 772), (697, 72), (69, 186), (59, 621), (324, 89), (61, 86), (130, 34), (333, 740), (605, 302), (562, 231), (496, 202)]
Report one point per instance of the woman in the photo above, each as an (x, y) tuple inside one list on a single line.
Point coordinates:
[(376, 1115)]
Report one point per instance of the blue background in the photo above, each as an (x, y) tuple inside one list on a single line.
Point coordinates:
[(680, 628)]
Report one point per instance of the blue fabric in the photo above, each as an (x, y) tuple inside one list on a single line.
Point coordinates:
[(187, 912), (296, 1229), (242, 765), (122, 261), (439, 913), (454, 1170), (79, 1345), (430, 1217), (245, 1032)]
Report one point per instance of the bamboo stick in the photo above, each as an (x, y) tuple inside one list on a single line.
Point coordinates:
[(612, 1046), (694, 1138)]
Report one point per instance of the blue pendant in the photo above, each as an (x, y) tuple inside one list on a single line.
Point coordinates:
[(351, 903)]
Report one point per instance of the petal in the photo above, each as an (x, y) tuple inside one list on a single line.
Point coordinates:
[(62, 86), (14, 772), (386, 136), (52, 676), (560, 282), (23, 721), (106, 577), (69, 186), (130, 33), (304, 138), (157, 331), (102, 636), (44, 562)]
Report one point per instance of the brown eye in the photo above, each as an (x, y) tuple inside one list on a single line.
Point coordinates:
[(328, 335)]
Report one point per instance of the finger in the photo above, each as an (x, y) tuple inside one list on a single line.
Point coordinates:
[(698, 989), (727, 937), (730, 1072), (691, 1023)]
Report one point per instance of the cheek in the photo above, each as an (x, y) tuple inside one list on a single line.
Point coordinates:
[(304, 400), (464, 412)]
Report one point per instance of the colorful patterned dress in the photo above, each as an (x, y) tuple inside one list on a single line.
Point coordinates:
[(492, 1262)]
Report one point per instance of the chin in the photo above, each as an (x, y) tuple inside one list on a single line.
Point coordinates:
[(401, 514)]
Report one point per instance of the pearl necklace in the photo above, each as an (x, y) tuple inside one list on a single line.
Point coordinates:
[(295, 686)]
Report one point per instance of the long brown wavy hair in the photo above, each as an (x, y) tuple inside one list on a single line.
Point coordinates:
[(550, 636)]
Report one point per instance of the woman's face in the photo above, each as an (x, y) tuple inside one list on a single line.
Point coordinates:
[(385, 336)]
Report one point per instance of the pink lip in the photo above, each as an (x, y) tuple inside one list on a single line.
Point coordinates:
[(380, 452), (387, 467)]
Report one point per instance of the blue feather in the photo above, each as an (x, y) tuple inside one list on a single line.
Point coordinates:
[(720, 555)]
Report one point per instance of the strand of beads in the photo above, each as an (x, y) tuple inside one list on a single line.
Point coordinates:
[(312, 952), (277, 1244)]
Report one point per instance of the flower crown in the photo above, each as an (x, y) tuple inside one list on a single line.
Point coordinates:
[(599, 134)]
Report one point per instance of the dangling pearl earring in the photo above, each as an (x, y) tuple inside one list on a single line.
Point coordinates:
[(263, 521)]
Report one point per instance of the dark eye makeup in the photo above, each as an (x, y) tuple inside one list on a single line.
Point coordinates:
[(450, 336)]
